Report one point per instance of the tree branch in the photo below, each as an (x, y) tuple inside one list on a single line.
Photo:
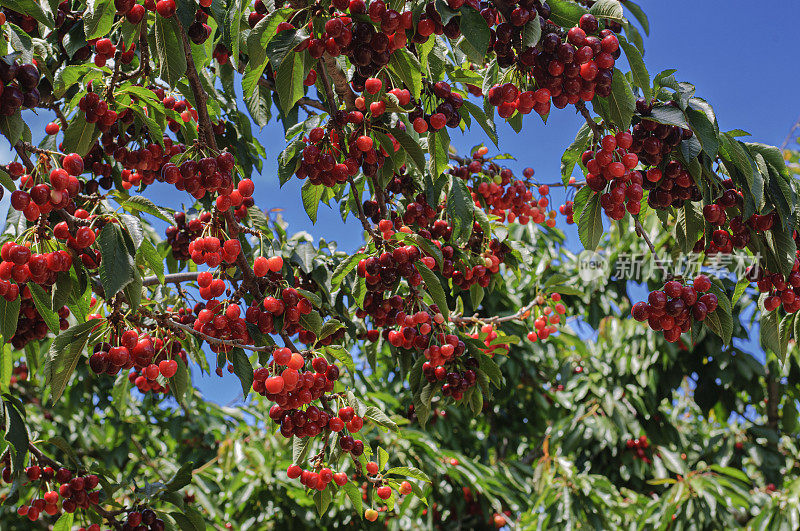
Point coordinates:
[(331, 72), (597, 132), (200, 96)]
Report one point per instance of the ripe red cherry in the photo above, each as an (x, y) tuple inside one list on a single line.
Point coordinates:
[(405, 488), (373, 85), (294, 471), (73, 162), (168, 368), (340, 478), (372, 468), (274, 384), (364, 143), (420, 125), (84, 237), (346, 413), (438, 121), (385, 492), (52, 128), (260, 266), (702, 283), (166, 8), (275, 264)]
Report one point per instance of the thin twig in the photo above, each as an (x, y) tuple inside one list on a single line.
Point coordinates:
[(597, 132)]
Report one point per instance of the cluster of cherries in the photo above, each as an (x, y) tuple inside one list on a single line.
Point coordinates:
[(456, 380), (671, 187), (21, 265), (184, 232), (30, 324), (671, 310), (610, 167), (569, 70), (217, 320), (143, 519), (441, 114), (147, 356), (182, 107), (652, 141), (639, 447), (96, 111), (544, 325), (75, 491), (18, 86), (316, 480), (504, 196), (781, 290), (209, 174), (34, 199), (567, 210), (212, 252), (132, 11), (737, 233)]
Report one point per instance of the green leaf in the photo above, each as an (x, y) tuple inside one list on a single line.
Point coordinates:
[(354, 493), (181, 478), (169, 50), (117, 267), (641, 77), (667, 114), (139, 203), (486, 124), (242, 368), (621, 101), (491, 370), (9, 315), (42, 301), (16, 433), (379, 417), (64, 522), (31, 8), (608, 9), (639, 15), (590, 224), (342, 355), (62, 358), (189, 520), (179, 384), (532, 32), (573, 153), (150, 256), (476, 34), (12, 127), (79, 136), (322, 500), (406, 66), (300, 447), (98, 18), (704, 130), (344, 267), (435, 288), (289, 80), (409, 472), (312, 195), (566, 13), (411, 147), (460, 209)]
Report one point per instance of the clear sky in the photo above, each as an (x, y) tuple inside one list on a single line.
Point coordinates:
[(739, 54)]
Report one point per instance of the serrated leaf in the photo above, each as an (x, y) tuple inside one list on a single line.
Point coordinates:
[(641, 77), (63, 356), (79, 136), (42, 301), (312, 195), (342, 355), (379, 417), (9, 315), (98, 18), (460, 209), (354, 494), (608, 9), (242, 369), (117, 267), (411, 147), (16, 433), (169, 50), (181, 478), (434, 288), (590, 223), (406, 66)]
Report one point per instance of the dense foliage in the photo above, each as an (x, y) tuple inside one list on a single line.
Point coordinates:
[(463, 368)]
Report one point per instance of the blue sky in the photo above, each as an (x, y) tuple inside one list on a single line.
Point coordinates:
[(739, 55)]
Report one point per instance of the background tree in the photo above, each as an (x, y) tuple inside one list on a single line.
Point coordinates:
[(455, 371)]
